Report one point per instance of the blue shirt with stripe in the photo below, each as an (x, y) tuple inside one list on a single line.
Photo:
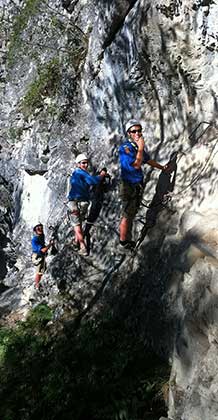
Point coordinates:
[(127, 152)]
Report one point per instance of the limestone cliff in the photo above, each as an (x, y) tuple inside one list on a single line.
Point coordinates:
[(71, 74)]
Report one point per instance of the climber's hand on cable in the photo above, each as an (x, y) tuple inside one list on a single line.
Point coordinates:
[(103, 173), (166, 168)]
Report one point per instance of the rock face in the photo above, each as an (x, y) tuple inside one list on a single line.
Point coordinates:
[(71, 74), (194, 377)]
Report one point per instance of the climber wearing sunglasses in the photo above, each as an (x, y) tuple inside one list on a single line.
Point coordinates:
[(132, 156)]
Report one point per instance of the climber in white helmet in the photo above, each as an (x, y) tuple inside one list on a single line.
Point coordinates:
[(132, 156), (79, 198), (39, 252)]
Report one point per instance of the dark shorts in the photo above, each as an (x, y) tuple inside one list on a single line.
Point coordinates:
[(39, 263), (78, 210), (131, 196)]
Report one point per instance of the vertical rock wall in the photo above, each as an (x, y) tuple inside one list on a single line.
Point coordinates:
[(72, 73)]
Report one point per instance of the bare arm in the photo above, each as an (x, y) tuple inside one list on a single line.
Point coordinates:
[(155, 164), (139, 156), (47, 247)]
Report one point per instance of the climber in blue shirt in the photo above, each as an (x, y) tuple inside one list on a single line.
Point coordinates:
[(132, 157), (130, 173), (79, 197), (39, 250), (80, 183)]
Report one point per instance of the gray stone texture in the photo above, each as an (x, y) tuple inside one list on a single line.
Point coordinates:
[(71, 74)]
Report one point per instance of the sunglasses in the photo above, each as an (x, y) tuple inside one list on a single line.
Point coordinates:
[(136, 131), (84, 163)]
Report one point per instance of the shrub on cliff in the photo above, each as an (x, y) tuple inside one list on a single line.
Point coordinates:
[(97, 372)]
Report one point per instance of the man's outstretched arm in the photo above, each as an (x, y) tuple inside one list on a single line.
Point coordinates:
[(157, 165)]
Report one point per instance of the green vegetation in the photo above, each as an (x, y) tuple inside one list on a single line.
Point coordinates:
[(76, 49), (46, 84), (98, 372), (58, 24), (15, 133), (20, 22), (23, 43)]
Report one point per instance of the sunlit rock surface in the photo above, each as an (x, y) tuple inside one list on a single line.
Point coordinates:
[(194, 299), (71, 74)]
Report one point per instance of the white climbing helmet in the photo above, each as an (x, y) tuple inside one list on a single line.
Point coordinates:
[(130, 124), (81, 157)]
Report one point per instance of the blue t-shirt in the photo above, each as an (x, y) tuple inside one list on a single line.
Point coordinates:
[(128, 151), (38, 242), (81, 182)]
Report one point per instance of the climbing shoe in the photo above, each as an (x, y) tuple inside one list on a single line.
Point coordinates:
[(75, 246), (128, 244)]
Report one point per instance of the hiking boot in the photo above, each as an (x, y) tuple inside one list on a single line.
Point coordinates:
[(128, 244), (75, 246), (83, 252)]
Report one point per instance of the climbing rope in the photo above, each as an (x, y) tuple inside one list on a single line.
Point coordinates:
[(169, 196), (200, 173)]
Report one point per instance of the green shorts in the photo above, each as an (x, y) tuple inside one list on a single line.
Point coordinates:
[(131, 196), (39, 263), (78, 211)]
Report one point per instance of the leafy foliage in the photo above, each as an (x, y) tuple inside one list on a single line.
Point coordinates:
[(45, 85), (15, 133), (99, 372)]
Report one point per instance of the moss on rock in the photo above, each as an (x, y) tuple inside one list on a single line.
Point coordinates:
[(20, 22), (45, 85)]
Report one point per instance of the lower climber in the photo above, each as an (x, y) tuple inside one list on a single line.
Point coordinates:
[(39, 252)]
